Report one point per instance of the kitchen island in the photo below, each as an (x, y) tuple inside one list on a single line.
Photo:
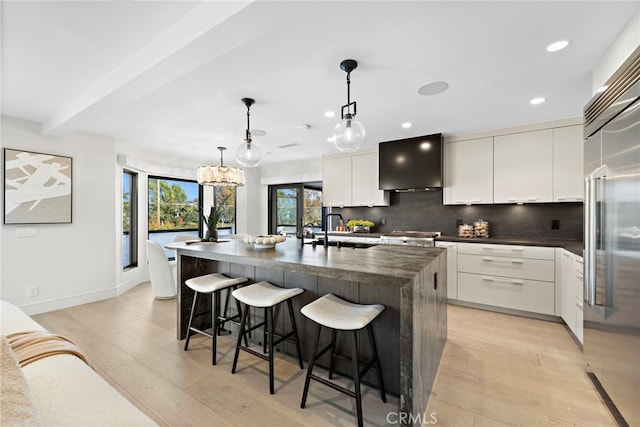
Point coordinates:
[(409, 281)]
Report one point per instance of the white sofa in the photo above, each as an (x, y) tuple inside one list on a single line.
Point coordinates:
[(61, 390)]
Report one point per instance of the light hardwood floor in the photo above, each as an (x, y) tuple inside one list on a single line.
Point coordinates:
[(496, 370)]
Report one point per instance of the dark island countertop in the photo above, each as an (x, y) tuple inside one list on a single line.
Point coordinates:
[(358, 264)]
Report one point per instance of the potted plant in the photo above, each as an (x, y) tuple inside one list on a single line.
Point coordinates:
[(211, 221), (360, 225)]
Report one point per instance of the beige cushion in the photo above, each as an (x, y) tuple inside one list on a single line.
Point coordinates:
[(16, 405), (264, 294), (336, 313)]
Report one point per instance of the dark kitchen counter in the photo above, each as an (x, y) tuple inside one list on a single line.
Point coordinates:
[(573, 246)]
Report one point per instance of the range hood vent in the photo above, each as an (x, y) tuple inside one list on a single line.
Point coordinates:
[(412, 164)]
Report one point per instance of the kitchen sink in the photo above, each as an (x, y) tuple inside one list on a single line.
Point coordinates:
[(320, 242)]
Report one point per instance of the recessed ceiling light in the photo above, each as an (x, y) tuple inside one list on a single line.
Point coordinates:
[(536, 101), (559, 45), (602, 89), (304, 126), (407, 125), (433, 88), (329, 114)]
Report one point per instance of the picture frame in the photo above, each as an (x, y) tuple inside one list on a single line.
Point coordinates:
[(37, 187)]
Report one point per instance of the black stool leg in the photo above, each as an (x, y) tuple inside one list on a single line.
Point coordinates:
[(356, 375), (295, 332), (246, 343), (265, 332), (193, 309), (226, 305), (241, 333), (215, 307), (270, 327), (332, 353), (374, 352), (312, 362)]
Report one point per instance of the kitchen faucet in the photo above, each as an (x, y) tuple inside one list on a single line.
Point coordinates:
[(326, 227)]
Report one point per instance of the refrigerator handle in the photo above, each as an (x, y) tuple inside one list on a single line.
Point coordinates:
[(593, 237)]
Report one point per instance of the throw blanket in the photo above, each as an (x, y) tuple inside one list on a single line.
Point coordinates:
[(31, 346)]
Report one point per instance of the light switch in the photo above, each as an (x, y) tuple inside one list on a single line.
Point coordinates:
[(26, 231)]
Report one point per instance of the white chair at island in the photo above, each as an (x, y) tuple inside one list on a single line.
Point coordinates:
[(163, 273)]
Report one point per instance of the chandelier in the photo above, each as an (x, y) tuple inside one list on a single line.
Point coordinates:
[(220, 176)]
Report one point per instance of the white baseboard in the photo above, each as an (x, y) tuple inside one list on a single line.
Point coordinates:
[(60, 303)]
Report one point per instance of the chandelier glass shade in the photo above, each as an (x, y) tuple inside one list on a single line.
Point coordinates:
[(247, 154), (348, 134), (220, 176)]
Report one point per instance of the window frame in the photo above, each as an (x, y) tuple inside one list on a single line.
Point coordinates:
[(133, 218)]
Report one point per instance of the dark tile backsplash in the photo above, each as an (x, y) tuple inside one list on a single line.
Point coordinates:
[(424, 211)]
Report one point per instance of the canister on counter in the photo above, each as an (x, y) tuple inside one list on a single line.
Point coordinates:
[(465, 230), (480, 228)]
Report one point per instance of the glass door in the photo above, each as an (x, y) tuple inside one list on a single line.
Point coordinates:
[(292, 206)]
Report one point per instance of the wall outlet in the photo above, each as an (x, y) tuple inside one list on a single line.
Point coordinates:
[(555, 224), (32, 291), (383, 221)]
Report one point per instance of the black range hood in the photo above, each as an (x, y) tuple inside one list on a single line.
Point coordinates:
[(411, 164)]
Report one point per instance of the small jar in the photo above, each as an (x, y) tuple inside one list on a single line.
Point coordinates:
[(465, 230), (481, 228)]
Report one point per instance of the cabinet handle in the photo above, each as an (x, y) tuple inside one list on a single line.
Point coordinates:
[(561, 198), (511, 281), (532, 199), (565, 254), (512, 200), (512, 260), (493, 248)]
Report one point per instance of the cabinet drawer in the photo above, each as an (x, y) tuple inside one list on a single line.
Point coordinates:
[(516, 267), (517, 294), (534, 252)]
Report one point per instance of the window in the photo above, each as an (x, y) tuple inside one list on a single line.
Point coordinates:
[(173, 209), (129, 219), (226, 198)]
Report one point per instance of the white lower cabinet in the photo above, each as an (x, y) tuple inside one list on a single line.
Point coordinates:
[(452, 268), (519, 294), (508, 276), (571, 292)]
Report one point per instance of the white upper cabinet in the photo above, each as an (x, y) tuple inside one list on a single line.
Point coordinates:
[(523, 167), (352, 180), (336, 181), (568, 183), (365, 183), (468, 172)]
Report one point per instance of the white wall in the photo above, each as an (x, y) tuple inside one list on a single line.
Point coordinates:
[(624, 45), (70, 263)]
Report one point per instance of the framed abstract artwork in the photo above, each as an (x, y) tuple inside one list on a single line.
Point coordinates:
[(37, 188)]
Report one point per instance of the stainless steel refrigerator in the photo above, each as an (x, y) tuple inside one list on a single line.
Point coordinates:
[(612, 241)]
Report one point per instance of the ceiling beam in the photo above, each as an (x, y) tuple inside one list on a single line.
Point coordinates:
[(163, 60)]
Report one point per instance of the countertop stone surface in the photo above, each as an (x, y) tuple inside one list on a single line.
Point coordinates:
[(573, 246), (401, 263)]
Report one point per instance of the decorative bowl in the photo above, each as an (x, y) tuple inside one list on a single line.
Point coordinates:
[(264, 242)]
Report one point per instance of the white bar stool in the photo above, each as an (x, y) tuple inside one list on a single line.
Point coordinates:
[(212, 284), (339, 315), (265, 295)]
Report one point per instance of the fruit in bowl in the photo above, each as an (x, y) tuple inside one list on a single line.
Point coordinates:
[(270, 239)]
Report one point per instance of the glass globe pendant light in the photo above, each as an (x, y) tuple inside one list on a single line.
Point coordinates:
[(348, 134), (248, 155)]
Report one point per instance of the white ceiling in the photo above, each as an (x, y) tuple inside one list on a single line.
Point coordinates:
[(169, 76)]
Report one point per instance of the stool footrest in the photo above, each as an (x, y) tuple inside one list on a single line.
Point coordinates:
[(255, 353), (332, 385), (200, 331)]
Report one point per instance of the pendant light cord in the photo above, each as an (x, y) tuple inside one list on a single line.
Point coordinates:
[(248, 133)]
